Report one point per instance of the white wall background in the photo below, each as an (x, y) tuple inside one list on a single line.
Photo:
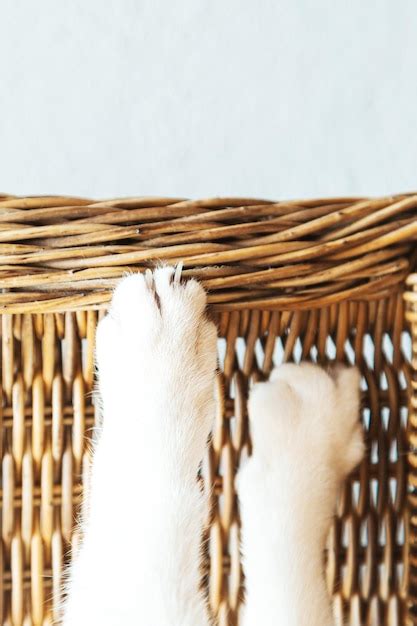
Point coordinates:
[(273, 98)]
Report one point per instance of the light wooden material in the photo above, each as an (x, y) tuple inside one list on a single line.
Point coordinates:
[(317, 280)]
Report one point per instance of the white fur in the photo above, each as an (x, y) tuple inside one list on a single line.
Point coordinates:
[(140, 556), (306, 439)]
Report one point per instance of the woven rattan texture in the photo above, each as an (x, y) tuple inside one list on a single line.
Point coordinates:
[(48, 412), (67, 252), (331, 300)]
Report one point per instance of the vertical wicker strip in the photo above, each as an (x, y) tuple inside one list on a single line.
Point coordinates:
[(411, 315)]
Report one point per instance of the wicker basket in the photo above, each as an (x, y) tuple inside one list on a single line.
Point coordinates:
[(319, 280)]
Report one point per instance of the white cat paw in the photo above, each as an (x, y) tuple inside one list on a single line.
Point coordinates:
[(309, 414), (156, 349)]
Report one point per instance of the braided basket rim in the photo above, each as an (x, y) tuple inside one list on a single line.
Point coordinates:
[(61, 253)]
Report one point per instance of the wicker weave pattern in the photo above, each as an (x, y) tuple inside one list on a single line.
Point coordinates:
[(67, 253), (355, 315)]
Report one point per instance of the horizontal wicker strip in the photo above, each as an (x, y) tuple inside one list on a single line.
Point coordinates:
[(61, 253)]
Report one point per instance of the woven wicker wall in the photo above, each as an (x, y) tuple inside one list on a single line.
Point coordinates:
[(319, 280)]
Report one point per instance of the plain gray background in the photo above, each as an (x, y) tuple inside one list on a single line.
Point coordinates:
[(283, 98)]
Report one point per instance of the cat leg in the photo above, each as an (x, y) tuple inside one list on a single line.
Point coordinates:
[(140, 556), (306, 439)]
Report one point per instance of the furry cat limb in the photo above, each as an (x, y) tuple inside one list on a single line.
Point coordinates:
[(140, 554), (306, 439)]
